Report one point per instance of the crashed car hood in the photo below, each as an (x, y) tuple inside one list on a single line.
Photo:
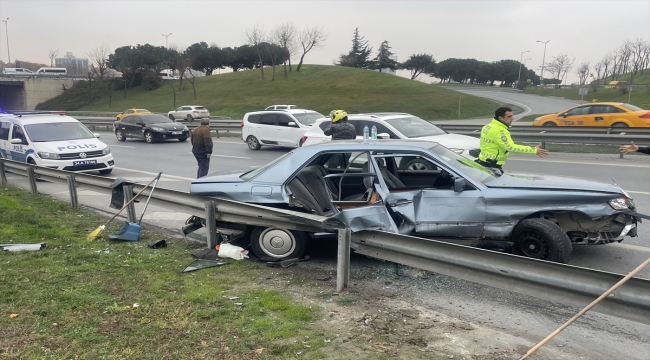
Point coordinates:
[(453, 141), (535, 181)]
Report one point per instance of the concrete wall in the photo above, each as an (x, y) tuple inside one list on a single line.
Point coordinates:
[(27, 92)]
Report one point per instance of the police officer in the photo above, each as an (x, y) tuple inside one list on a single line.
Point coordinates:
[(340, 128), (496, 142)]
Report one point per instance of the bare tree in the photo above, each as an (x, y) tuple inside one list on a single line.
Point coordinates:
[(309, 39), (559, 66), (616, 61), (192, 79), (598, 68), (583, 72), (178, 62), (638, 54), (255, 37), (272, 49), (52, 54), (285, 35), (98, 59), (607, 62)]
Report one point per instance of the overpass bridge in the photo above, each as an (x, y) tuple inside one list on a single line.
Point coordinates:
[(25, 92)]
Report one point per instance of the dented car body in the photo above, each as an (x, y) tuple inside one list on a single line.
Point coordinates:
[(445, 197)]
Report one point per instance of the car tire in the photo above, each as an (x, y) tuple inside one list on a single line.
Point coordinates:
[(541, 239), (253, 143), (278, 244), (148, 137), (416, 164), (619, 125), (549, 124), (190, 118), (105, 171), (182, 139), (120, 136)]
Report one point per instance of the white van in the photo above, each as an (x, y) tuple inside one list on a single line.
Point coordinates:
[(17, 71), (51, 71), (168, 75), (53, 140)]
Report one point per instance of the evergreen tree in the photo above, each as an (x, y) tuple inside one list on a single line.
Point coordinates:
[(383, 60), (359, 54)]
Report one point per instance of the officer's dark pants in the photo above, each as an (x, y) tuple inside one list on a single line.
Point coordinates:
[(204, 164), (489, 164)]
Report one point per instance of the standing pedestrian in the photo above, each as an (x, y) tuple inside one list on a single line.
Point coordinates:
[(340, 128), (202, 146), (496, 142), (634, 148)]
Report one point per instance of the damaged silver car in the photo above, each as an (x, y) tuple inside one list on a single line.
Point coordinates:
[(448, 198)]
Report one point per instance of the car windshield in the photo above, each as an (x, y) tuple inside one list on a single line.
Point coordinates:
[(253, 173), (632, 107), (58, 131), (308, 118), (468, 167), (413, 127), (142, 110), (156, 119), (199, 108)]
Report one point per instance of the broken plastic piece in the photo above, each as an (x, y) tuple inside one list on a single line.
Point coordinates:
[(158, 244), (232, 252), (202, 264), (23, 247)]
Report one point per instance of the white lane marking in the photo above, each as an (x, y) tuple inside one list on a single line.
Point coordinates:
[(581, 163), (228, 156), (147, 179), (123, 146), (154, 174), (633, 247), (638, 192)]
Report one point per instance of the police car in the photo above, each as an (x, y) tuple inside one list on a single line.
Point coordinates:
[(53, 140)]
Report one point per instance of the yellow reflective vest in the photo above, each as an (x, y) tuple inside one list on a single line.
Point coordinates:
[(496, 143)]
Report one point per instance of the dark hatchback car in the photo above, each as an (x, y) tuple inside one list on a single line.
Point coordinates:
[(150, 127)]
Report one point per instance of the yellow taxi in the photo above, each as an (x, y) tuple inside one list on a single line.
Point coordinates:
[(608, 114), (129, 112)]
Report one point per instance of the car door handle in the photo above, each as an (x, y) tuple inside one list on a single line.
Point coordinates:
[(599, 118)]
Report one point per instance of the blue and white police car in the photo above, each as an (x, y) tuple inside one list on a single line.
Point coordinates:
[(53, 140)]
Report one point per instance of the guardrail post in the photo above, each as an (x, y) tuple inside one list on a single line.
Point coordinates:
[(72, 188), (128, 195), (211, 224), (3, 173), (217, 133), (32, 180), (621, 155), (543, 144), (343, 260)]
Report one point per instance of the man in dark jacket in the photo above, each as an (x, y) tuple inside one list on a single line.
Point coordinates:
[(202, 146), (340, 128), (634, 148)]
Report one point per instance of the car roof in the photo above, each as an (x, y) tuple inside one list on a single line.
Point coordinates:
[(39, 118), (193, 105), (372, 116), (603, 103), (290, 111), (384, 144)]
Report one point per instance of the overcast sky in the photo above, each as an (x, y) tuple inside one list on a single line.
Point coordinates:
[(484, 30)]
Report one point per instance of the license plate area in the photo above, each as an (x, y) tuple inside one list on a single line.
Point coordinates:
[(176, 132), (84, 162)]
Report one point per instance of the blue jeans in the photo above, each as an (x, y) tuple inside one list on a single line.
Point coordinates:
[(204, 164)]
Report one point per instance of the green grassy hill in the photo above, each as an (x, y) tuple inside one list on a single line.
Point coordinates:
[(317, 87)]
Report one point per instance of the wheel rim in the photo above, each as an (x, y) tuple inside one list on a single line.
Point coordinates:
[(619, 125), (417, 166), (252, 142), (277, 243), (533, 245), (550, 124), (148, 137), (119, 135)]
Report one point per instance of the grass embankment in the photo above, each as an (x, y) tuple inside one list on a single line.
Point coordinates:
[(76, 299), (639, 96), (317, 87)]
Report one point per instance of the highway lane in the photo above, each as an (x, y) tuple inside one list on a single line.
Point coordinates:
[(139, 161)]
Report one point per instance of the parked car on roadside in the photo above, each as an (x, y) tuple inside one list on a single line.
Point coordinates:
[(281, 107), (362, 186), (189, 112), (607, 114), (150, 127), (17, 72), (277, 127), (398, 126), (129, 112)]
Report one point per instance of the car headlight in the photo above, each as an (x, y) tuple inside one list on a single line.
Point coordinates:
[(457, 151), (185, 128), (106, 151), (619, 204), (538, 118), (51, 156), (158, 129)]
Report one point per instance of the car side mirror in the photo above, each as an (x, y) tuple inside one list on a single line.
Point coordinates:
[(291, 123), (459, 184), (96, 135), (383, 136), (16, 141), (141, 124), (564, 114)]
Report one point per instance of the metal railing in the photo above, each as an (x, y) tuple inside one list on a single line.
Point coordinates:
[(546, 280), (215, 125)]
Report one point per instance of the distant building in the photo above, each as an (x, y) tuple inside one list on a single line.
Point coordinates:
[(387, 70), (73, 64)]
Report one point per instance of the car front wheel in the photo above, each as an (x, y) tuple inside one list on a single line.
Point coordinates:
[(278, 244), (120, 136), (253, 143), (619, 124), (190, 118), (550, 124), (148, 137), (541, 239)]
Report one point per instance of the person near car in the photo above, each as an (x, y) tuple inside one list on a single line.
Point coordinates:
[(202, 146), (634, 148), (496, 142), (340, 128)]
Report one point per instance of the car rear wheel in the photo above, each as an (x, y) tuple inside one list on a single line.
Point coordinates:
[(190, 118), (120, 136), (278, 244), (541, 239), (253, 143), (148, 137), (550, 124), (619, 124), (171, 117)]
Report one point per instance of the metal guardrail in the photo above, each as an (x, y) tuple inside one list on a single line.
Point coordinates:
[(582, 130), (113, 114), (546, 280), (215, 125)]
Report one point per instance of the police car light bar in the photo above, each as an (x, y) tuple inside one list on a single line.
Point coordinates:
[(21, 113)]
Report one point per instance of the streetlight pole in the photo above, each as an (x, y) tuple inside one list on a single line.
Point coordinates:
[(543, 61), (521, 56), (166, 36), (6, 21)]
